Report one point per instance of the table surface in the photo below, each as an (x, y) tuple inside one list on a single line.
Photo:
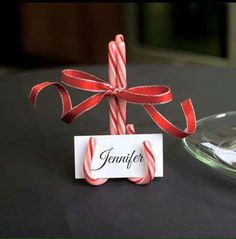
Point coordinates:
[(40, 197)]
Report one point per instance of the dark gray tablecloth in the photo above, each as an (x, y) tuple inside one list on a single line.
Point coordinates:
[(40, 197)]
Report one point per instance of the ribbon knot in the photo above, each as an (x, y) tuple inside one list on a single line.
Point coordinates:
[(147, 96), (114, 91)]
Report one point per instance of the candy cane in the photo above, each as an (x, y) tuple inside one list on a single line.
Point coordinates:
[(149, 157), (117, 116), (121, 82), (88, 162), (113, 106)]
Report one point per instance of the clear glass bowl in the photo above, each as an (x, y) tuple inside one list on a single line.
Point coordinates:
[(214, 142)]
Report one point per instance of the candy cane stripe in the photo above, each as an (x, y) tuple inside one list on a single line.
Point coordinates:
[(151, 160), (113, 118), (121, 82), (149, 157), (122, 53), (87, 164), (148, 150)]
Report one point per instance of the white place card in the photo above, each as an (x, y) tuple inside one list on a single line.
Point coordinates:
[(118, 156)]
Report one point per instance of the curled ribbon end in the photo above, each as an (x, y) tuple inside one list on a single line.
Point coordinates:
[(187, 102), (32, 102), (188, 108), (32, 97), (66, 119)]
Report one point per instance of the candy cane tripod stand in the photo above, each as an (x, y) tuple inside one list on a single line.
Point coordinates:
[(119, 95), (117, 116)]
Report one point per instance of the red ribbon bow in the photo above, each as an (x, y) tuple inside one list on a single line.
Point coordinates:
[(144, 95)]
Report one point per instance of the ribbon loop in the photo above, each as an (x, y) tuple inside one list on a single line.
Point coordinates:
[(65, 97), (147, 95), (84, 81), (84, 106)]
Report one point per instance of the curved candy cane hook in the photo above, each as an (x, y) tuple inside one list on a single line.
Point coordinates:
[(88, 162), (148, 156)]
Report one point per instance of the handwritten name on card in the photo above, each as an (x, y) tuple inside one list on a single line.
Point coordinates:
[(119, 156)]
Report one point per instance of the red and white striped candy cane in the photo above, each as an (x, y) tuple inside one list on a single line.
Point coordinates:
[(117, 115), (121, 82), (113, 105), (148, 156), (88, 163)]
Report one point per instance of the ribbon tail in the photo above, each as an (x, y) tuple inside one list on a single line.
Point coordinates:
[(84, 106), (65, 97), (168, 127)]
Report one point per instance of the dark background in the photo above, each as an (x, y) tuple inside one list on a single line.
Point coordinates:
[(39, 195), (50, 34)]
